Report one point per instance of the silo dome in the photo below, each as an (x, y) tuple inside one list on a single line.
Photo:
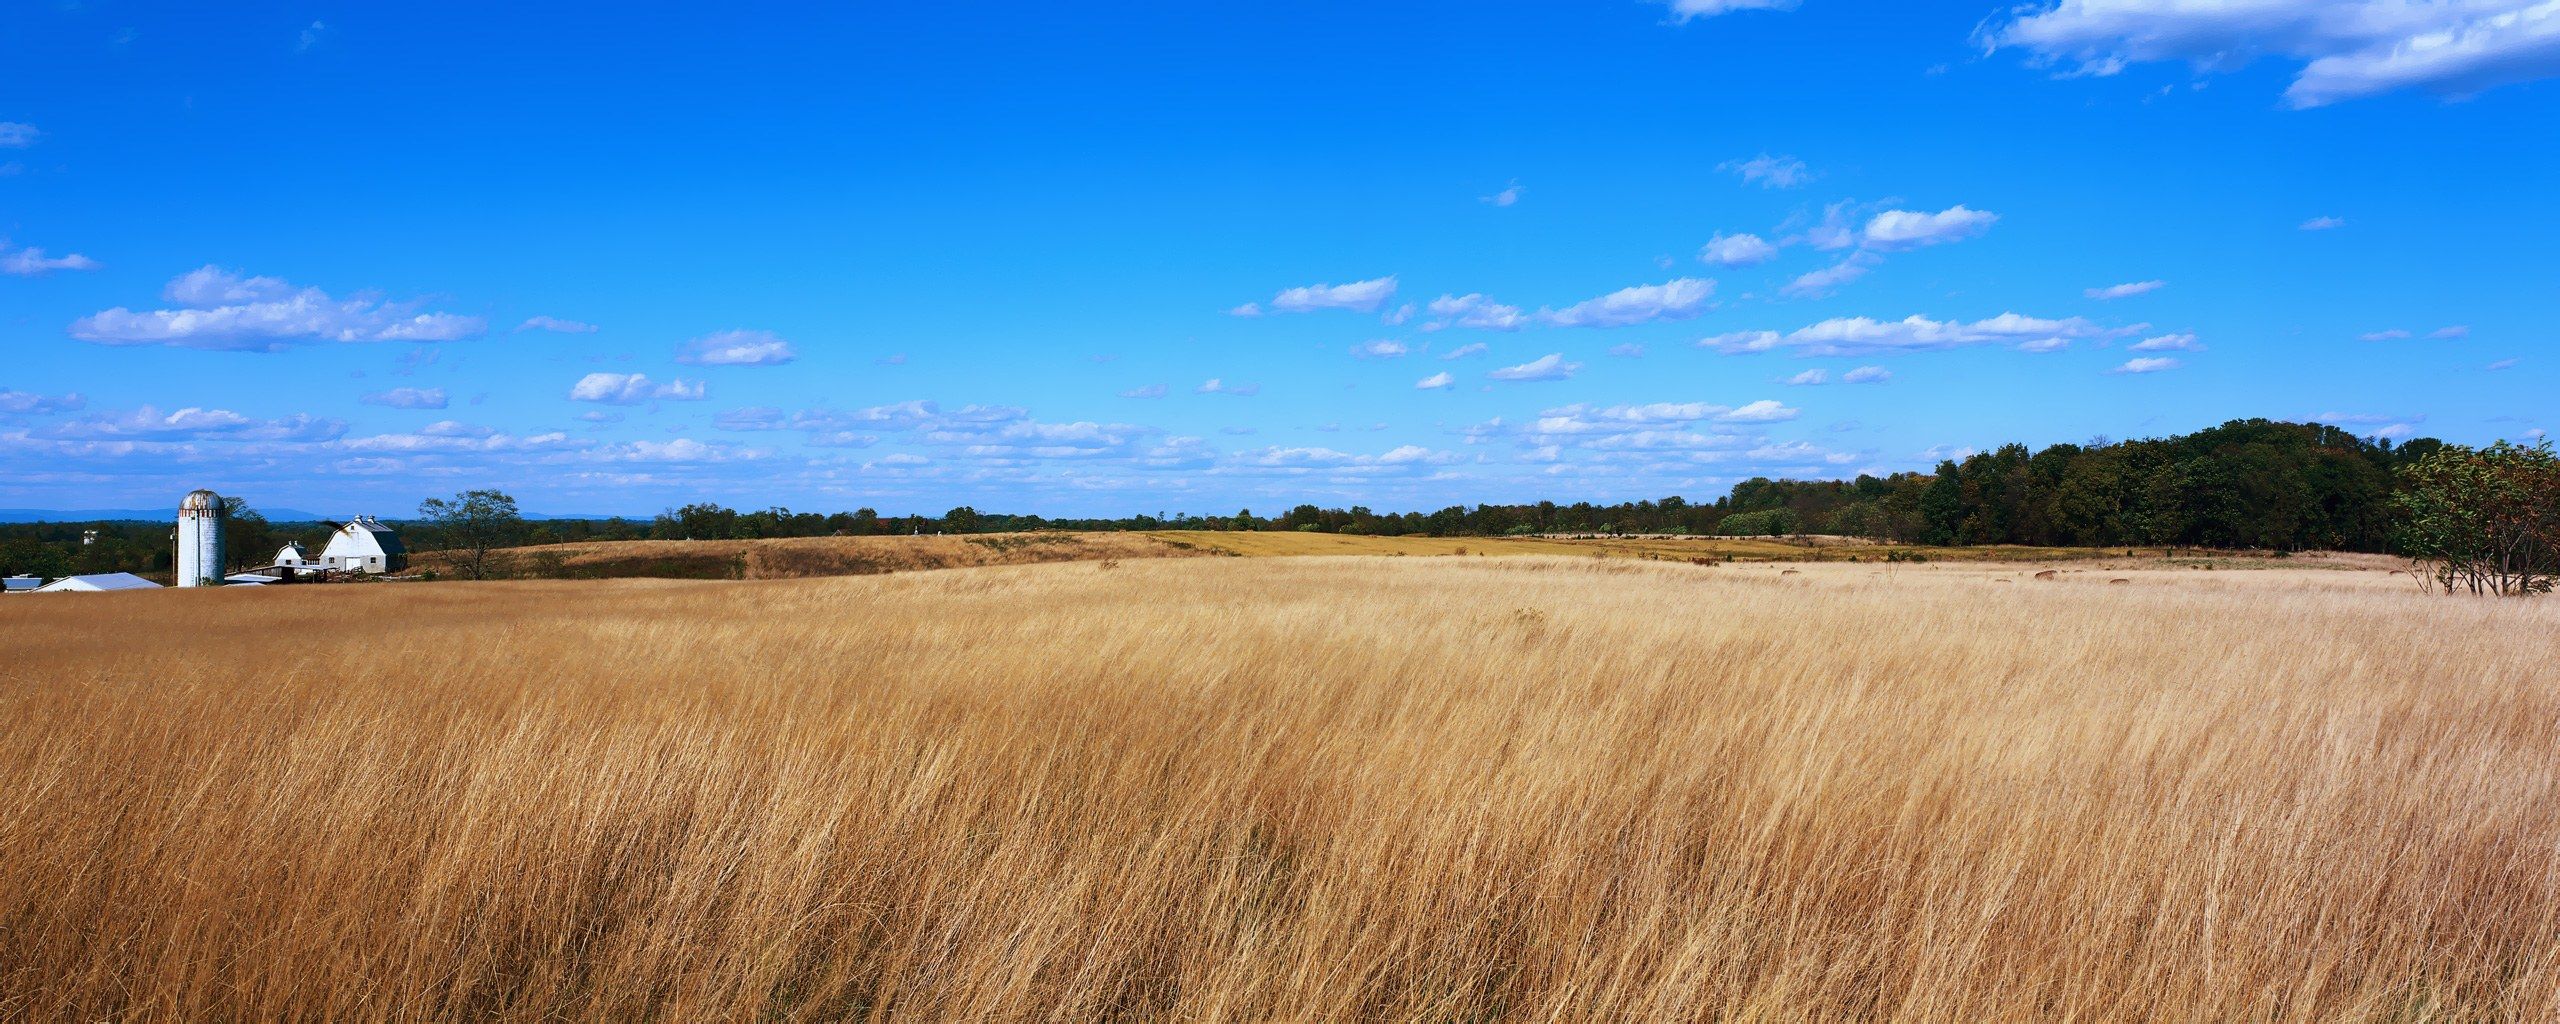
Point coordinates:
[(200, 500)]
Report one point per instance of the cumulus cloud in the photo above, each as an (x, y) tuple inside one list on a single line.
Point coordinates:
[(1435, 382), (2347, 49), (1853, 336), (2124, 291), (2153, 364), (1809, 378), (2169, 343), (1676, 299), (1898, 230), (18, 135), (2324, 223), (736, 348), (223, 310), (1472, 348), (23, 402), (407, 398), (1507, 197), (1818, 283), (34, 263), (1219, 386), (2503, 364), (2450, 333), (2394, 334), (556, 325), (1362, 296), (193, 422), (1473, 311), (633, 389), (1867, 375), (1380, 349), (1764, 170), (1248, 310), (1742, 250), (1547, 367), (1762, 411)]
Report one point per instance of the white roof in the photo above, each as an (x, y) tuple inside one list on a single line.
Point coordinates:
[(100, 581)]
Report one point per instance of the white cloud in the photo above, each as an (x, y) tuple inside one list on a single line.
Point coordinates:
[(737, 348), (2125, 291), (310, 36), (1218, 386), (1762, 411), (1630, 350), (1677, 299), (2394, 334), (407, 398), (1810, 378), (223, 310), (1897, 230), (1380, 349), (1508, 196), (1743, 250), (33, 262), (1867, 375), (633, 389), (2503, 364), (1396, 317), (18, 135), (2349, 48), (1435, 382), (1250, 309), (1765, 170), (2324, 223), (1475, 311), (21, 402), (195, 423), (556, 325), (1684, 10), (2153, 364), (2169, 343), (1851, 336), (1146, 391), (1547, 367), (1818, 283), (1363, 296), (1472, 348), (2450, 333)]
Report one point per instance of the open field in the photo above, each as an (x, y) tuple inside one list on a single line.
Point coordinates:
[(1224, 789), (807, 557)]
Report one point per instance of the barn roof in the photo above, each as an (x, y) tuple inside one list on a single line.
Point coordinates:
[(100, 581)]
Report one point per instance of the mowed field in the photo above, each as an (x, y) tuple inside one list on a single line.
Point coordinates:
[(1231, 789)]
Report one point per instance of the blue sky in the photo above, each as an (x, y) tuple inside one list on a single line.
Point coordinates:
[(1151, 257)]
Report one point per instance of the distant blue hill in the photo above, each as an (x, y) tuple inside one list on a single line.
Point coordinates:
[(274, 515)]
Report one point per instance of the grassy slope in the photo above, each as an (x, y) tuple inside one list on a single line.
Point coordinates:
[(1296, 789)]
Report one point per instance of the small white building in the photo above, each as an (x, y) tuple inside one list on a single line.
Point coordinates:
[(97, 582), (291, 556), (364, 545)]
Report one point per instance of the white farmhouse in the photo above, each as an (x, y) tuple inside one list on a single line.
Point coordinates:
[(364, 545)]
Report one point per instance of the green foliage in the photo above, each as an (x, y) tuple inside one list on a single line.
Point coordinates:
[(472, 524), (2485, 520), (1775, 522)]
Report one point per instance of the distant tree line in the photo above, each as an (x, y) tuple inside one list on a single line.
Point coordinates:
[(2245, 484)]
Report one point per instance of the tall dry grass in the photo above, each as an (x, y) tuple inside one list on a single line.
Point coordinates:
[(1245, 790)]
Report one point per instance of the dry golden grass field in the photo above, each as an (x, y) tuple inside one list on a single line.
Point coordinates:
[(1318, 789)]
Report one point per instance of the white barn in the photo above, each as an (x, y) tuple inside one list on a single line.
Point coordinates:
[(364, 545)]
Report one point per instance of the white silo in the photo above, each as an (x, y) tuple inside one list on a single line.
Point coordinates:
[(200, 539)]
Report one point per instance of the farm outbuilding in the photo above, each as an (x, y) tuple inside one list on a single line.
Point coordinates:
[(96, 583)]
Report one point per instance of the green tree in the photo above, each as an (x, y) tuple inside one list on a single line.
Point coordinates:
[(472, 524), (2485, 520)]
